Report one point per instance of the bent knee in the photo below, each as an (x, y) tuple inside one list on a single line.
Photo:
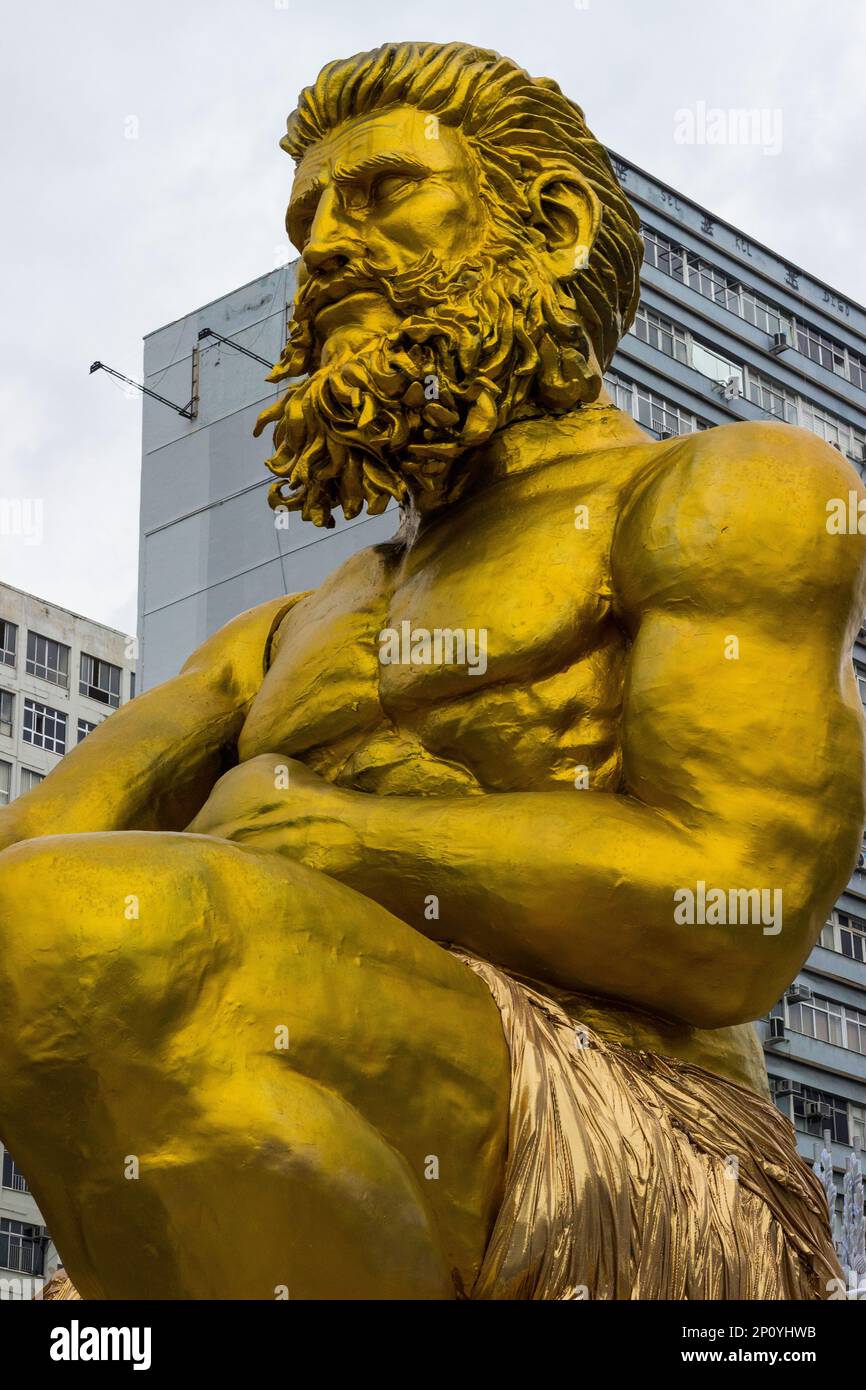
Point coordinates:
[(107, 930)]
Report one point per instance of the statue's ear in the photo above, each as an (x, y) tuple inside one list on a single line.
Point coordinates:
[(568, 214)]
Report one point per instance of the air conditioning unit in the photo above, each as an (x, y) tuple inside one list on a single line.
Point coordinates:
[(797, 993), (775, 1031), (779, 343), (817, 1110), (731, 388)]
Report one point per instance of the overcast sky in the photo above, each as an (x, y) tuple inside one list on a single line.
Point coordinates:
[(106, 237)]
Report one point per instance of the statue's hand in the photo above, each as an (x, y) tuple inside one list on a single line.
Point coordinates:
[(274, 802)]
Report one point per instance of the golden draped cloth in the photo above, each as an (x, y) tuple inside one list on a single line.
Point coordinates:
[(632, 1175)]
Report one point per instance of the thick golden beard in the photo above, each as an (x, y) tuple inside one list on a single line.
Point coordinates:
[(394, 418)]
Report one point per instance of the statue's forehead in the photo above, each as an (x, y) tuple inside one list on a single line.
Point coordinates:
[(401, 130)]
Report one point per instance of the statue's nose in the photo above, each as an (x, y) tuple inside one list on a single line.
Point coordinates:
[(324, 258), (332, 241)]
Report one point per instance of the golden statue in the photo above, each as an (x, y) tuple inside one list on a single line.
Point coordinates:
[(405, 944)]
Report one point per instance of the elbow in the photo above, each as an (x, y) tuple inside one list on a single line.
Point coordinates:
[(718, 1002)]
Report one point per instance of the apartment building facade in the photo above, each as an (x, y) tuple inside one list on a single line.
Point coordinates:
[(60, 676)]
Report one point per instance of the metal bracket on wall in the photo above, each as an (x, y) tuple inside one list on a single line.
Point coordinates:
[(188, 411), (238, 347)]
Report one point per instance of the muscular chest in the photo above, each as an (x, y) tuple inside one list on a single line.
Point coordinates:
[(485, 657)]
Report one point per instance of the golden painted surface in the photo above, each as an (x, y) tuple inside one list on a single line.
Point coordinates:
[(224, 996), (700, 1195)]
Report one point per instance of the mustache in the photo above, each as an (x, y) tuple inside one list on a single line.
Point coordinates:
[(422, 285)]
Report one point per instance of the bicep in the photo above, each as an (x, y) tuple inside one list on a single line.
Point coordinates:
[(728, 725), (740, 708)]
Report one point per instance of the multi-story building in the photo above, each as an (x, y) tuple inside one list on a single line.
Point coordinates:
[(727, 330), (60, 675)]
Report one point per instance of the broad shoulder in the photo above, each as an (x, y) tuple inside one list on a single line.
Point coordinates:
[(239, 651), (743, 507), (762, 462)]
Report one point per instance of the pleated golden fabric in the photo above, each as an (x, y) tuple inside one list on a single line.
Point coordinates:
[(636, 1176), (59, 1288)]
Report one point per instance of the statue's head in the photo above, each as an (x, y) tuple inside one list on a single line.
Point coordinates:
[(467, 259)]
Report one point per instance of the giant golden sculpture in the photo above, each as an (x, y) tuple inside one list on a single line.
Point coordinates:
[(356, 960)]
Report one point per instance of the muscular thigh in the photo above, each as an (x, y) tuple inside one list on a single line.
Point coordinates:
[(255, 1035)]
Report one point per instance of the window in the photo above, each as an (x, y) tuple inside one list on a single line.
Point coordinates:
[(830, 428), (857, 1115), (30, 779), (661, 333), (830, 353), (7, 712), (8, 642), (819, 1018), (716, 367), (44, 727), (772, 397), (99, 680), (664, 254), (661, 416), (828, 1021), (12, 1176), (84, 728), (712, 283), (673, 340), (857, 371), (823, 350), (759, 311), (5, 783), (716, 284), (48, 659), (132, 685), (812, 1111), (20, 1247), (621, 392), (855, 1028), (860, 672), (852, 936)]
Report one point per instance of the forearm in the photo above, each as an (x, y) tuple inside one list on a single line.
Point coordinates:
[(143, 769), (579, 890), (152, 763)]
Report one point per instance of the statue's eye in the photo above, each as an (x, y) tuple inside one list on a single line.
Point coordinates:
[(389, 185)]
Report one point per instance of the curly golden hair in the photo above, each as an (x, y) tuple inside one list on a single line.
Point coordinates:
[(519, 127)]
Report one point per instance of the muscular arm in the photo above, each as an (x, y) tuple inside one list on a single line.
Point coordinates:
[(743, 757), (150, 765)]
